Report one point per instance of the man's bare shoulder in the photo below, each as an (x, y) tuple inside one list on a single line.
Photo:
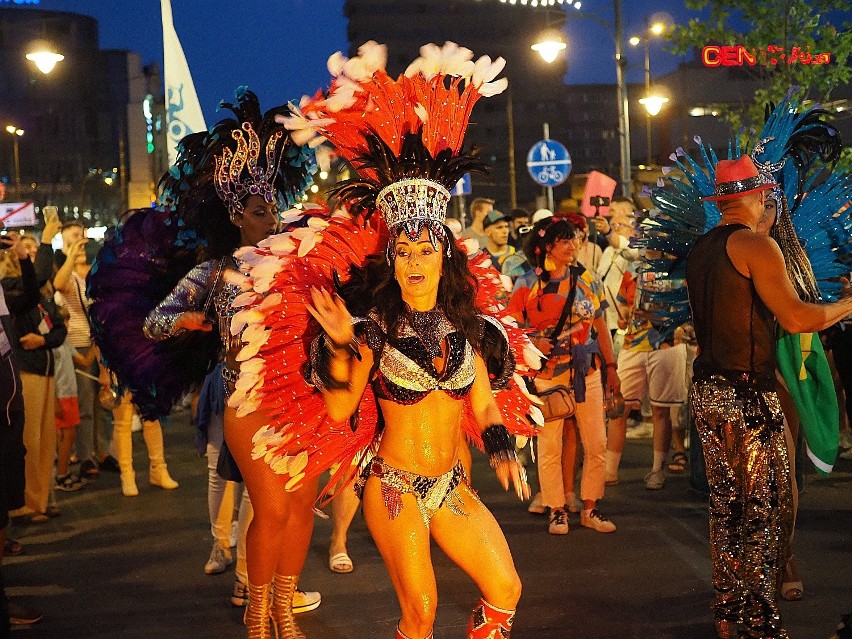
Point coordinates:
[(748, 241)]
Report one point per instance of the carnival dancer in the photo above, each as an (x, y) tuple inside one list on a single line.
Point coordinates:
[(737, 280), (797, 147), (225, 191), (402, 340)]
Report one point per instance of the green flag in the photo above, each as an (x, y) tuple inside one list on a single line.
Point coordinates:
[(804, 366)]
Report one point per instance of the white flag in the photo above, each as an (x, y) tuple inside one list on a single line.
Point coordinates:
[(183, 112)]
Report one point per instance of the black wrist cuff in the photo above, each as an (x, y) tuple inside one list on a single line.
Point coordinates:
[(498, 445), (352, 347)]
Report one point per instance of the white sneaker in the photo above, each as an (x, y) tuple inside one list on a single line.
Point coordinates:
[(220, 559), (536, 506), (596, 521), (234, 537), (558, 522), (305, 601)]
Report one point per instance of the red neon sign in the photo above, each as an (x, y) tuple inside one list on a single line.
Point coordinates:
[(738, 56)]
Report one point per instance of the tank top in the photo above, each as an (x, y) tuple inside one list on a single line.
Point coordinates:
[(734, 328)]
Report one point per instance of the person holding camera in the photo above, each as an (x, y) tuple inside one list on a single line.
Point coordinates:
[(36, 329), (563, 302), (70, 283)]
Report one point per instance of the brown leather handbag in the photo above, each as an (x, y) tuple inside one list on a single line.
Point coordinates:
[(559, 403)]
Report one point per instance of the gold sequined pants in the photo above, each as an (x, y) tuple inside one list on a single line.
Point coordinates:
[(742, 436)]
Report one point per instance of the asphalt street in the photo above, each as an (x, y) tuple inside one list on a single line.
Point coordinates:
[(112, 566)]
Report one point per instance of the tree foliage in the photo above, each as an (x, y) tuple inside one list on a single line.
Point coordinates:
[(785, 24)]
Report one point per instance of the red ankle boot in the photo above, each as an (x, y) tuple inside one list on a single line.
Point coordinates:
[(489, 622)]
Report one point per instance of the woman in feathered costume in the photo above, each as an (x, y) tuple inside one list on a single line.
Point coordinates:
[(224, 192), (401, 352)]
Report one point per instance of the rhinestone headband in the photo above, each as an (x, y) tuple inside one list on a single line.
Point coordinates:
[(740, 186), (238, 174), (413, 199)]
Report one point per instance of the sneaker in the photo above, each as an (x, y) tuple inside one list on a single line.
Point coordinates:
[(220, 559), (68, 483), (573, 504), (234, 537), (239, 596), (21, 616), (302, 601), (536, 506), (558, 522), (596, 521), (305, 601), (645, 430), (655, 480)]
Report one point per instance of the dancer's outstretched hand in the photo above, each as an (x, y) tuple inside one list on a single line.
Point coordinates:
[(514, 471), (331, 313)]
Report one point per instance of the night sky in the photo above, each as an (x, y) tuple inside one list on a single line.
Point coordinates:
[(279, 47)]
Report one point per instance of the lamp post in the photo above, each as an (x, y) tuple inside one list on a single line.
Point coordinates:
[(652, 103), (551, 46), (16, 134)]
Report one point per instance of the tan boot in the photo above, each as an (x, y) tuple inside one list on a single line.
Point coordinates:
[(256, 617), (283, 587), (159, 473), (122, 439)]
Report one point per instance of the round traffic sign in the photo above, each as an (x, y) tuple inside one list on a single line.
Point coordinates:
[(549, 163)]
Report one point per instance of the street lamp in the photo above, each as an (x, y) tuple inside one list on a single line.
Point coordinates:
[(44, 56), (656, 26), (16, 133), (547, 48), (550, 44)]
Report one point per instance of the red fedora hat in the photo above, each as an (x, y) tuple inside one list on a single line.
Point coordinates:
[(736, 178)]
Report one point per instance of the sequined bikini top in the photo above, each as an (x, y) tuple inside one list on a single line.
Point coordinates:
[(406, 370)]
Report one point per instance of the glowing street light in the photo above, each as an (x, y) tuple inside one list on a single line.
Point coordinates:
[(550, 44), (653, 104), (16, 134), (44, 56), (656, 26)]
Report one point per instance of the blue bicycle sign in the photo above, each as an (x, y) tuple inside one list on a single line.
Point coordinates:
[(549, 163)]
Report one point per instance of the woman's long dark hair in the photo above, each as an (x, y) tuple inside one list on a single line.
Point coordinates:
[(374, 287), (545, 233)]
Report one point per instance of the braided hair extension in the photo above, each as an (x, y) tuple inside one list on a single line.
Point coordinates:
[(796, 260)]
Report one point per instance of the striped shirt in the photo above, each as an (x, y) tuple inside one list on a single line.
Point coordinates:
[(73, 296)]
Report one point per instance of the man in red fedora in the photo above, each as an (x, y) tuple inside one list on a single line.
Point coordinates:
[(738, 289)]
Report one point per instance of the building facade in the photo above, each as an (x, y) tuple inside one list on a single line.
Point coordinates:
[(487, 28), (94, 139)]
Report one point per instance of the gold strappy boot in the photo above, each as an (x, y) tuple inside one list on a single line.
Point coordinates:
[(256, 617), (283, 587)]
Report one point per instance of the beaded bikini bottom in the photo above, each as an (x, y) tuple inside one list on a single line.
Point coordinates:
[(431, 493)]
